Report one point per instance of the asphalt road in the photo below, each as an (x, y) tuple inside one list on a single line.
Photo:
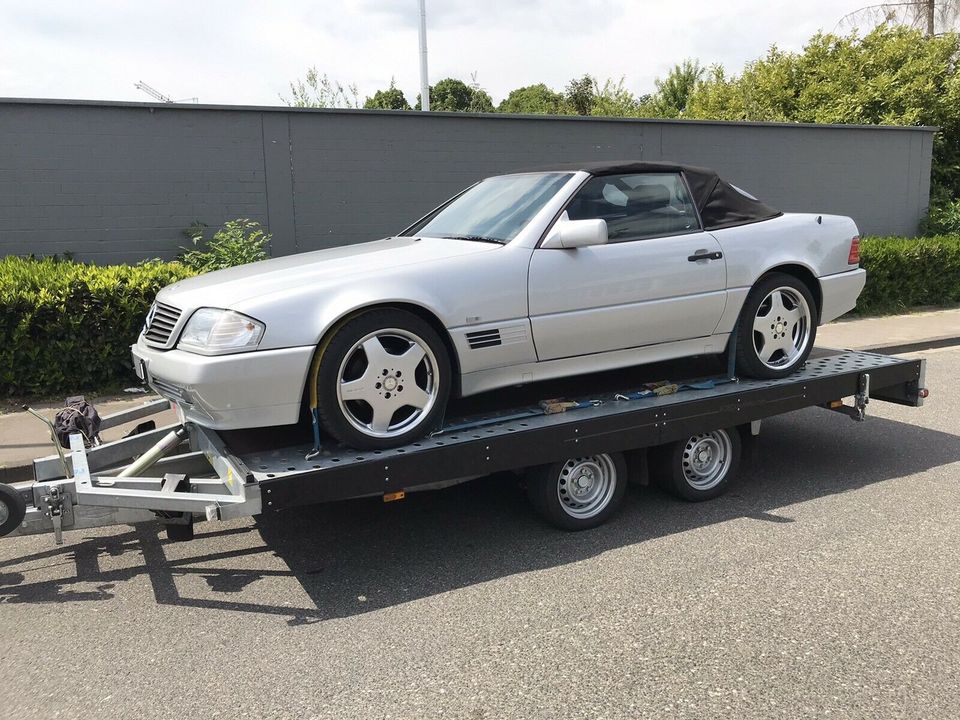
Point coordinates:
[(826, 583)]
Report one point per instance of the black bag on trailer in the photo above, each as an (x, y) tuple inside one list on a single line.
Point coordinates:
[(78, 416)]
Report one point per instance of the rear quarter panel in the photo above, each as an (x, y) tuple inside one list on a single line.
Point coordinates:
[(791, 239)]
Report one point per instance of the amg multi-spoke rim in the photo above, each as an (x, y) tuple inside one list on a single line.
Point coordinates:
[(781, 328), (387, 383), (585, 485), (706, 459)]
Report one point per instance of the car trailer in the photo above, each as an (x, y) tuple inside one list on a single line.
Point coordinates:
[(576, 460)]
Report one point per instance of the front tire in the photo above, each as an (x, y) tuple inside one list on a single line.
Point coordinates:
[(579, 493), (777, 328), (384, 380)]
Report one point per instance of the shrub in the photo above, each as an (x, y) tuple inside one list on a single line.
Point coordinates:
[(904, 273), (67, 327), (944, 218), (238, 242)]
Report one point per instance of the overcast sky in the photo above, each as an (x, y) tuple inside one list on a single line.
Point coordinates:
[(239, 52)]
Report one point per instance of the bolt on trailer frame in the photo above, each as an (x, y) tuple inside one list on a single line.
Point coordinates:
[(206, 479)]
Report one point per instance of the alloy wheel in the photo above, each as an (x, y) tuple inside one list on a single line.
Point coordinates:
[(387, 382), (781, 328)]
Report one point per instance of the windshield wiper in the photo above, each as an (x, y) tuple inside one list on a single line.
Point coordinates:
[(477, 238)]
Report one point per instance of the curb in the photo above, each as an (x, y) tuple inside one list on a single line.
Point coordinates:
[(928, 344)]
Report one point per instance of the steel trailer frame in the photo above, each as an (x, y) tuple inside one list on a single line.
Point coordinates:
[(209, 480)]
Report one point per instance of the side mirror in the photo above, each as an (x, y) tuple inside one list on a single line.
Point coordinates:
[(569, 234)]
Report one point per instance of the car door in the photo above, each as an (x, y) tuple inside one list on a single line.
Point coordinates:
[(658, 279)]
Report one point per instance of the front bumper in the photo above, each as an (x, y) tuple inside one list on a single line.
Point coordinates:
[(840, 293), (228, 392)]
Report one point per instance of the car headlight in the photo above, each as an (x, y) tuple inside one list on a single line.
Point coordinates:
[(211, 331)]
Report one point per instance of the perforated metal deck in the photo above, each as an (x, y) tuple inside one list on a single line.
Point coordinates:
[(288, 479)]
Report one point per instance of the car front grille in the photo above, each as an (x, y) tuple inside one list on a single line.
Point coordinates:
[(161, 322)]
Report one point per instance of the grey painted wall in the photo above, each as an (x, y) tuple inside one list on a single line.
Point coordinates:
[(113, 182)]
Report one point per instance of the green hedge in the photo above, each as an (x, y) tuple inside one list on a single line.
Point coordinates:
[(67, 327), (904, 273)]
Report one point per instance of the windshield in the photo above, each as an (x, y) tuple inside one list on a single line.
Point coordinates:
[(494, 210)]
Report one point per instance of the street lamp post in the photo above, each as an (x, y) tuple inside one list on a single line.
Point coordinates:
[(424, 82)]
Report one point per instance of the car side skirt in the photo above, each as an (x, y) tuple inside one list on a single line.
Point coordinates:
[(483, 380)]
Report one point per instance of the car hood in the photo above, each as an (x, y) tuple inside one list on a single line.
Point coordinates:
[(231, 287)]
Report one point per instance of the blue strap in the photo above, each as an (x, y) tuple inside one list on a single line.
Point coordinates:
[(315, 421), (732, 352)]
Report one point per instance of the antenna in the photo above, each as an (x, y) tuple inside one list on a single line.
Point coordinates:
[(157, 95)]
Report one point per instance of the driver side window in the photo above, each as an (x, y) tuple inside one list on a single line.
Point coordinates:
[(637, 206)]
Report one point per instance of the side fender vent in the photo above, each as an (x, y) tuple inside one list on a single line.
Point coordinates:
[(483, 338)]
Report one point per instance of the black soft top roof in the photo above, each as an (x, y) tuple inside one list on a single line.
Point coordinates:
[(719, 203)]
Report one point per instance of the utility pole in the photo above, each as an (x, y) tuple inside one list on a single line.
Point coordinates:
[(424, 81)]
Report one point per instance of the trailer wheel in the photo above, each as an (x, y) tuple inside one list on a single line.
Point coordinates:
[(13, 509), (699, 467), (579, 493)]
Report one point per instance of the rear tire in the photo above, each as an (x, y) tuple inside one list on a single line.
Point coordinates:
[(777, 327), (697, 468), (579, 493)]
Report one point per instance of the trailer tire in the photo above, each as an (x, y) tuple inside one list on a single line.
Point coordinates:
[(699, 467), (601, 485), (13, 508)]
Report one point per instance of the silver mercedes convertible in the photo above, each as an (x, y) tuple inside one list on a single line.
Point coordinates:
[(519, 278)]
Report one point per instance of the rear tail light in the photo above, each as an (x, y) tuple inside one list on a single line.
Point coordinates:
[(854, 257)]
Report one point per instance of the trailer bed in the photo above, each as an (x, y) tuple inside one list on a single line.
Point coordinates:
[(227, 475), (290, 480)]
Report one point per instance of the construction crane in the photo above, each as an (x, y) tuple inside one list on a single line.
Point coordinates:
[(157, 95)]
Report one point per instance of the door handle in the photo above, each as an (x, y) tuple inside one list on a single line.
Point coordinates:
[(704, 255)]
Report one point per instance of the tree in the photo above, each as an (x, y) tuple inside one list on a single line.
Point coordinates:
[(480, 100), (319, 91), (674, 91), (585, 96), (614, 100), (533, 100), (894, 75), (452, 95), (580, 96), (390, 99)]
